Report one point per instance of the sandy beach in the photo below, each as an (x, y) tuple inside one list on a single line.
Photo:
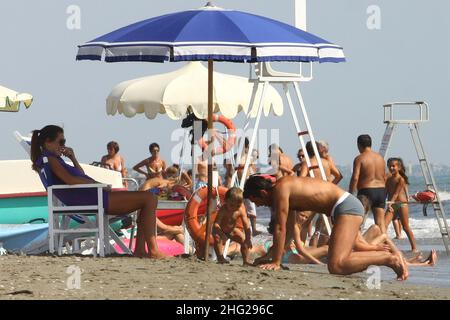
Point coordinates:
[(46, 277)]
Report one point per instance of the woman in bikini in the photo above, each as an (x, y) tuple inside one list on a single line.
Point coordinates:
[(155, 165), (114, 161), (396, 188), (48, 146)]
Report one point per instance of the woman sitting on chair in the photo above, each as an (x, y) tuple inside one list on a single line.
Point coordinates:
[(49, 143)]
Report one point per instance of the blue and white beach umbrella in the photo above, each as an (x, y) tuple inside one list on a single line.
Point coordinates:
[(210, 33)]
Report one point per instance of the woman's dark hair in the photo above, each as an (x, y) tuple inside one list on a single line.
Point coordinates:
[(310, 149), (113, 145), (38, 139), (401, 170), (274, 146), (153, 146), (255, 184), (246, 143)]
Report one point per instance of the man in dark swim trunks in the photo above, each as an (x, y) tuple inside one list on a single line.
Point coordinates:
[(369, 177)]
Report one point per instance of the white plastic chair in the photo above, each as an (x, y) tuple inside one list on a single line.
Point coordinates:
[(60, 215)]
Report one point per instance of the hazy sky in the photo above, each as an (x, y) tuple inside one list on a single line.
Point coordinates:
[(407, 59)]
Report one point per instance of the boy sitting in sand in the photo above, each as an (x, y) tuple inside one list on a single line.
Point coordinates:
[(225, 226), (306, 194)]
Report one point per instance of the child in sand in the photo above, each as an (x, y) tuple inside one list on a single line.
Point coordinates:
[(396, 187), (225, 226)]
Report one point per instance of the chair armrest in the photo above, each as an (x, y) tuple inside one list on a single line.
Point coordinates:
[(80, 186)]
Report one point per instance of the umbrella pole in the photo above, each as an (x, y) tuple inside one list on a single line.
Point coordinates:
[(210, 163)]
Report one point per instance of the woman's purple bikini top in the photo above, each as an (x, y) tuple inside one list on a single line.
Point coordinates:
[(50, 177), (79, 197)]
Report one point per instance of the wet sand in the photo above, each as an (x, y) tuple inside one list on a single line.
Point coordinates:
[(45, 277)]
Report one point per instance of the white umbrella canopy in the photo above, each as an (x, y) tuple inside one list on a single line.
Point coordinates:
[(10, 100), (185, 89)]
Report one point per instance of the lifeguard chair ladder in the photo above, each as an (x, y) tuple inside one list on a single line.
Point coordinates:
[(413, 124), (262, 74)]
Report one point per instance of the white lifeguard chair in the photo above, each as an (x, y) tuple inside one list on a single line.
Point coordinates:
[(262, 73), (423, 116)]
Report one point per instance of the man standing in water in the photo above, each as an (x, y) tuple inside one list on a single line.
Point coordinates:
[(369, 177)]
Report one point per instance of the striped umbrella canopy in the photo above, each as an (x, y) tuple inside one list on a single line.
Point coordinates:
[(210, 33)]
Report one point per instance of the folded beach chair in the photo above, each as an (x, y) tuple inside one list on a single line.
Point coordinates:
[(74, 202)]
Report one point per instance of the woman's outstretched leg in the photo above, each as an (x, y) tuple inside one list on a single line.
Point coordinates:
[(126, 202)]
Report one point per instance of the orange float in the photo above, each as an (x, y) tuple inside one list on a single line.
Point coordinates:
[(424, 196), (227, 144), (196, 208)]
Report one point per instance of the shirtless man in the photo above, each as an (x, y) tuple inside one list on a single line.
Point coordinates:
[(298, 166), (281, 164), (369, 177), (305, 194), (323, 148), (304, 171)]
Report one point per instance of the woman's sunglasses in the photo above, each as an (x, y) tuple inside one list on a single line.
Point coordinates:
[(62, 142)]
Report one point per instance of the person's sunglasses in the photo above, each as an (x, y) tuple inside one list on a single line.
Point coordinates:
[(62, 142), (154, 150)]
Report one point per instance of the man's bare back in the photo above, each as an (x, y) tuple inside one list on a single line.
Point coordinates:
[(370, 166), (307, 194)]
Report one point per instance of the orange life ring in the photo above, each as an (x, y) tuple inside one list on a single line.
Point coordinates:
[(227, 144), (197, 207)]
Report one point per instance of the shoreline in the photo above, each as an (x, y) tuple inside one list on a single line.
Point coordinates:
[(47, 277)]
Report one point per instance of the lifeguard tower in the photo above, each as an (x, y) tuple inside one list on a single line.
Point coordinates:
[(392, 122)]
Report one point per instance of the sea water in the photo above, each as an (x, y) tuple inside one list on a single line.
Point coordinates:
[(425, 229)]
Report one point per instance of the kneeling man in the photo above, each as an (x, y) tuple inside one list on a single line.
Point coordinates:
[(346, 211)]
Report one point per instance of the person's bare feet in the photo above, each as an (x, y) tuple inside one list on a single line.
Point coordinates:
[(270, 266), (157, 255), (262, 260), (432, 259), (223, 261), (247, 264), (399, 266), (140, 254)]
